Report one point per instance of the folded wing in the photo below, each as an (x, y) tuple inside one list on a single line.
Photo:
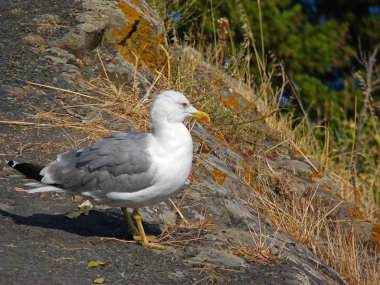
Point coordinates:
[(118, 163)]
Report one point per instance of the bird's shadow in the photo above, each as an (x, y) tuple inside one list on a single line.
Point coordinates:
[(96, 223)]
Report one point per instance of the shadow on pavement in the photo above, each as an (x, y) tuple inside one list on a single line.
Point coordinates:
[(96, 223)]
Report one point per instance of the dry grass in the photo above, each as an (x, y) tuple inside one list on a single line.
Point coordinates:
[(302, 217), (213, 275), (261, 251), (305, 220), (47, 23)]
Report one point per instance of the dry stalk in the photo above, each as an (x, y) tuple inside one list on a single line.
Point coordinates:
[(179, 212), (62, 90), (369, 65)]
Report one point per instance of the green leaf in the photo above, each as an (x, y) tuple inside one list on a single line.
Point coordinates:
[(99, 280), (95, 263), (73, 214), (83, 208)]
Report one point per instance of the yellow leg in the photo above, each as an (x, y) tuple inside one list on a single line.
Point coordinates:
[(134, 232), (132, 227), (143, 238)]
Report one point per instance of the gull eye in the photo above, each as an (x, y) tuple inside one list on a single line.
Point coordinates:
[(184, 105)]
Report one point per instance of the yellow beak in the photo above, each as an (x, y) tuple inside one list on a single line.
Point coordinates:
[(201, 116)]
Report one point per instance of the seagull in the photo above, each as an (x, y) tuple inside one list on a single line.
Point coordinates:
[(127, 170)]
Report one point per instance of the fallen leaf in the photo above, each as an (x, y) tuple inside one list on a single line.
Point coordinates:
[(83, 209), (19, 189), (95, 263), (265, 254), (99, 280), (73, 214)]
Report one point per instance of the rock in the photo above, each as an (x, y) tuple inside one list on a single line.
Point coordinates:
[(216, 258), (80, 41), (299, 168), (129, 31), (68, 63), (238, 212), (363, 231), (234, 236), (177, 275), (120, 70), (285, 162), (165, 213), (5, 207), (140, 40)]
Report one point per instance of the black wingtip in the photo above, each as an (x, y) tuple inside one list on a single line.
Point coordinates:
[(30, 170), (11, 163)]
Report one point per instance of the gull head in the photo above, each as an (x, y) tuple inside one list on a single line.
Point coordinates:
[(172, 106)]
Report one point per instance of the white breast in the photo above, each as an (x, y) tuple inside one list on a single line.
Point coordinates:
[(172, 158)]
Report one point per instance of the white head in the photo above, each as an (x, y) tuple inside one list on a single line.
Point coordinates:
[(172, 106)]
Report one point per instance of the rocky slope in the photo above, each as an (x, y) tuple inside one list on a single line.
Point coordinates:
[(220, 237)]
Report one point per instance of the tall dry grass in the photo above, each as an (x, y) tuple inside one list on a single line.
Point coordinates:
[(300, 217)]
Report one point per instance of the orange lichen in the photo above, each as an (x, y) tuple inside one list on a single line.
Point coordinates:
[(326, 186), (357, 213), (132, 16), (218, 176), (142, 7), (338, 195), (247, 168), (298, 151), (204, 146), (230, 101), (246, 172), (138, 42), (315, 175)]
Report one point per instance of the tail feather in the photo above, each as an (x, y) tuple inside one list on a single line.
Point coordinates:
[(30, 170), (40, 187)]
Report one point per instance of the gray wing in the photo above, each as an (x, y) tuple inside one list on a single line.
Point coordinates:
[(118, 163)]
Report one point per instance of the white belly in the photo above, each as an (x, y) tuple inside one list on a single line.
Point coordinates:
[(171, 165), (171, 176)]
